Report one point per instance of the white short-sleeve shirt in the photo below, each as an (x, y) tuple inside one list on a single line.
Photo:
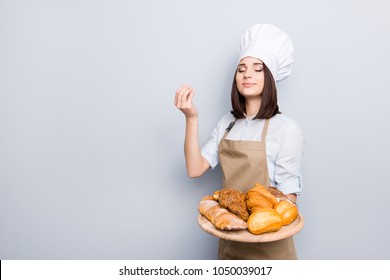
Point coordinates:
[(284, 147)]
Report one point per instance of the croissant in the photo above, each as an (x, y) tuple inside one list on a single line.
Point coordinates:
[(260, 197), (220, 217), (264, 191), (255, 201)]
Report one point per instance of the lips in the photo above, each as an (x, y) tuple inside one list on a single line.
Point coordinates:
[(248, 85)]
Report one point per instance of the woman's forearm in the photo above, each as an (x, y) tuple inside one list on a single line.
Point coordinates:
[(195, 163)]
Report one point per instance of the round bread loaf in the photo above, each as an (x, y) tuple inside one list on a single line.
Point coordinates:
[(264, 220), (287, 210)]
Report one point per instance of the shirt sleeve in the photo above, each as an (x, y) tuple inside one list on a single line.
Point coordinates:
[(210, 149), (288, 167)]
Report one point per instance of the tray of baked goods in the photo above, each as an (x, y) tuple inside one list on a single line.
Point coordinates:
[(263, 214)]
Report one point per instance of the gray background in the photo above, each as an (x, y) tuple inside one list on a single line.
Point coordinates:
[(91, 145)]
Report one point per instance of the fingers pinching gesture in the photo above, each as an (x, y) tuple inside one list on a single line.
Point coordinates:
[(183, 101)]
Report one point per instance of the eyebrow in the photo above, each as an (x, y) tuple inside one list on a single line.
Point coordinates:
[(255, 63)]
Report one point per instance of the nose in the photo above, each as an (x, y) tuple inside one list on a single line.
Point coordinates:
[(248, 73)]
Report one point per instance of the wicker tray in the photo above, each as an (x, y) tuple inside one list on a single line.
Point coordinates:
[(246, 236)]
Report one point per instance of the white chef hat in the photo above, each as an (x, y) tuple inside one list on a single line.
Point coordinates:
[(270, 45)]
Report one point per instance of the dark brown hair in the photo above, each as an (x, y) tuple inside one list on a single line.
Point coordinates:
[(269, 101)]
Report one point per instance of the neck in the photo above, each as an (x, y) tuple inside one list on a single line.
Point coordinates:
[(252, 106)]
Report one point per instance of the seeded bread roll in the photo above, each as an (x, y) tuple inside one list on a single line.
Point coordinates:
[(234, 201)]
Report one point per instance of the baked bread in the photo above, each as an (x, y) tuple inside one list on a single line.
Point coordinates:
[(257, 201), (287, 210), (220, 217), (264, 220), (260, 197), (209, 197), (277, 193), (234, 201)]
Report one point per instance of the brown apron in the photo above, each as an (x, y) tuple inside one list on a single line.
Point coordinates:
[(243, 164)]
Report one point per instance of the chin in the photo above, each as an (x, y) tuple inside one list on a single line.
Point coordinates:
[(250, 94)]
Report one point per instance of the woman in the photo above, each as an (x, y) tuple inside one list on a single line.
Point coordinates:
[(254, 143)]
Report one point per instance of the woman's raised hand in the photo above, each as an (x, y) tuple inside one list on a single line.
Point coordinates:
[(183, 101)]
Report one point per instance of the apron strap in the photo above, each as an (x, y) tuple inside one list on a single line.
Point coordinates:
[(265, 129), (230, 126)]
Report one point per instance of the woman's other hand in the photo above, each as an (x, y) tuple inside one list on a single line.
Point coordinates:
[(183, 101)]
